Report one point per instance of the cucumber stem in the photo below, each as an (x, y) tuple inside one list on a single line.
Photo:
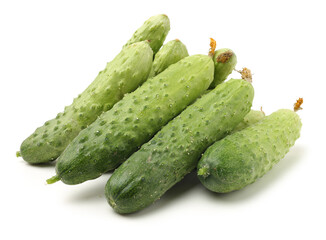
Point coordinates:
[(18, 154), (53, 179)]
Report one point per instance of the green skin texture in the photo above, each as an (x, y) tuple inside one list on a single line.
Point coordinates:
[(118, 133), (118, 78), (123, 74), (251, 118), (171, 52), (241, 158), (223, 70), (175, 150), (155, 30)]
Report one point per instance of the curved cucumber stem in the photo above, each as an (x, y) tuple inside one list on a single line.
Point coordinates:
[(53, 179), (18, 154)]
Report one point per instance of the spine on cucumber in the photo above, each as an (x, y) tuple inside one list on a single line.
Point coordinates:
[(175, 150), (123, 74), (242, 157), (117, 133), (155, 30)]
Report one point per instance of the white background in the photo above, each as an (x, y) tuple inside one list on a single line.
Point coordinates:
[(50, 51)]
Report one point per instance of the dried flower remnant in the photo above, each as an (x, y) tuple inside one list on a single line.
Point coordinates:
[(297, 105), (224, 57), (245, 74), (212, 45)]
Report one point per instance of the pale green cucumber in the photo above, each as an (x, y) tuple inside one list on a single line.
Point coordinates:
[(123, 74), (155, 30), (171, 52), (225, 61), (251, 118)]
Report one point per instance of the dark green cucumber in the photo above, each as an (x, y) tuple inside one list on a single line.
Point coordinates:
[(123, 74), (117, 133), (175, 150), (155, 30), (241, 158)]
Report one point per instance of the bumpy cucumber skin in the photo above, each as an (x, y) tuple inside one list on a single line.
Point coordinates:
[(123, 74), (251, 118), (171, 52), (155, 30), (241, 158), (175, 150), (223, 69), (118, 133)]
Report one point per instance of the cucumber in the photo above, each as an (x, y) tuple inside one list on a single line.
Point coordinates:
[(251, 118), (123, 74), (175, 150), (171, 52), (225, 61), (117, 133), (241, 158), (155, 30)]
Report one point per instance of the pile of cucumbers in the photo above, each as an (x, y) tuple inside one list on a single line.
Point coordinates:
[(153, 115)]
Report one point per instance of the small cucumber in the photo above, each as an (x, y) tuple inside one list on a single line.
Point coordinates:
[(225, 61), (155, 30), (251, 118), (117, 133), (242, 157), (175, 150), (123, 74), (171, 52)]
